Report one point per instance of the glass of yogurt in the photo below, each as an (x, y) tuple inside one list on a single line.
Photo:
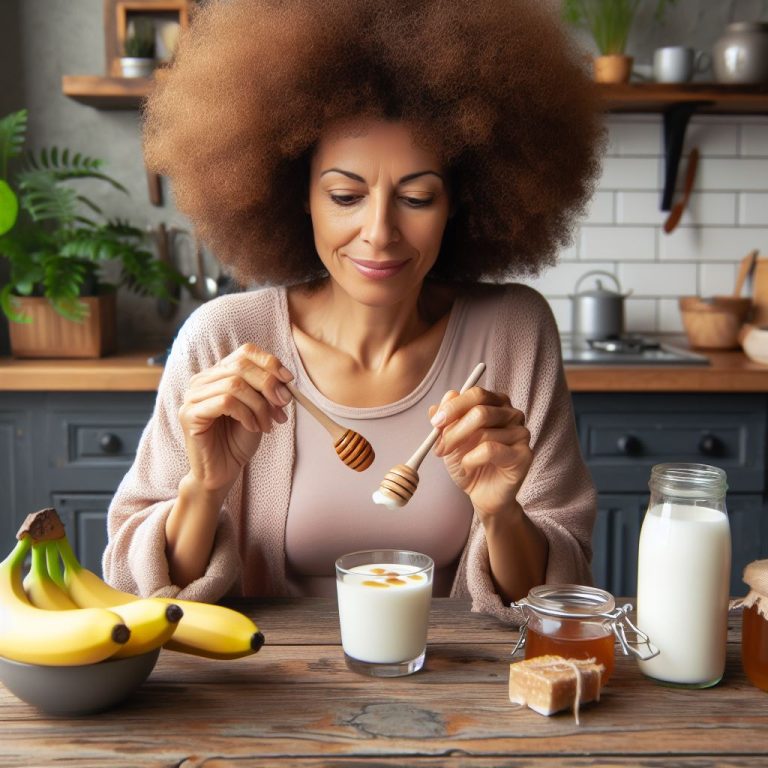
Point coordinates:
[(384, 600)]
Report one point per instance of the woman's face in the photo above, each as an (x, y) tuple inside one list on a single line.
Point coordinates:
[(379, 206)]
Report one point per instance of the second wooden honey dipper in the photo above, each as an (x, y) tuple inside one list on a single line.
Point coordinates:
[(399, 484)]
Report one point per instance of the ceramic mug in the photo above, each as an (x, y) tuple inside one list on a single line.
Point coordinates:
[(678, 64)]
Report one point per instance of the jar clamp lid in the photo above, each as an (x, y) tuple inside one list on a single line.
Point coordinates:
[(580, 602)]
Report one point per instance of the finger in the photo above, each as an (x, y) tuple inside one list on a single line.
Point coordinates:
[(456, 407), (447, 396), (511, 435), (224, 393), (257, 356), (261, 380), (481, 417), (516, 457)]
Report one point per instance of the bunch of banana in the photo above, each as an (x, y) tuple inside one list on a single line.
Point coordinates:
[(152, 621), (38, 636), (207, 630)]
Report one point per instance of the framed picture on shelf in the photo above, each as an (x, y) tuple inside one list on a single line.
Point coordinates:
[(156, 21)]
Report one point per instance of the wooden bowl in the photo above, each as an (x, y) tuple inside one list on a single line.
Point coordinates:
[(714, 323)]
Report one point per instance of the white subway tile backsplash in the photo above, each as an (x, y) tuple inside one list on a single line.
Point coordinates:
[(753, 208), (702, 244), (754, 139), (561, 280), (618, 243), (736, 174), (713, 138), (629, 173), (638, 137), (601, 209), (639, 315), (622, 230), (669, 318), (716, 279), (656, 279)]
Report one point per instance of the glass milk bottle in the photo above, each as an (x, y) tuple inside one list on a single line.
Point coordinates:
[(683, 579)]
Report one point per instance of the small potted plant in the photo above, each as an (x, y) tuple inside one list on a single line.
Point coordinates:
[(138, 59), (609, 22), (56, 242)]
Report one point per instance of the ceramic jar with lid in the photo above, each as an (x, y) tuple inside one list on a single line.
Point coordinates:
[(740, 55)]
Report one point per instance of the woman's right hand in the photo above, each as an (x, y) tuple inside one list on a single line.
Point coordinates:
[(225, 411)]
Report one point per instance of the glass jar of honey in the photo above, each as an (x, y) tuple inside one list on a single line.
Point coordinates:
[(754, 626), (578, 622)]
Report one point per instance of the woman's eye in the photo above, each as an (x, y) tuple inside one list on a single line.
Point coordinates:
[(344, 199), (417, 202)]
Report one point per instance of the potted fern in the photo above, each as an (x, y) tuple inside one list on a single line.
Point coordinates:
[(609, 22), (56, 242)]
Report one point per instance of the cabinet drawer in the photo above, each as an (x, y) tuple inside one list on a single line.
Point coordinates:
[(623, 437), (91, 448)]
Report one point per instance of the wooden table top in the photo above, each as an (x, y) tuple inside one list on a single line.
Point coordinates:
[(296, 704), (130, 372)]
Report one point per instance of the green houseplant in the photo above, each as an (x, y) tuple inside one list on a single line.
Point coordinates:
[(56, 241), (138, 59), (609, 23)]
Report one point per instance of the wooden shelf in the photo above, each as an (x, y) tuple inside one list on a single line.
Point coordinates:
[(128, 93), (709, 97), (107, 92)]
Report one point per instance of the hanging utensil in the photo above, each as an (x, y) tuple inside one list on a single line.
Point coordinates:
[(677, 210)]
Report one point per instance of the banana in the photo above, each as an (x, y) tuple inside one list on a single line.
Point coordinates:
[(41, 589), (151, 621), (61, 638), (53, 562), (213, 631)]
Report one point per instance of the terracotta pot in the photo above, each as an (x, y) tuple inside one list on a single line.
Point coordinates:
[(615, 68), (51, 335)]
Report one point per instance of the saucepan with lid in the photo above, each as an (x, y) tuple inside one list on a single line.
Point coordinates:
[(598, 313)]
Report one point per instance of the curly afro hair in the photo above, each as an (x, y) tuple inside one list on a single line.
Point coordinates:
[(497, 88)]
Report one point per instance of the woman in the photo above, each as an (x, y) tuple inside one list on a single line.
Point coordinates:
[(372, 162)]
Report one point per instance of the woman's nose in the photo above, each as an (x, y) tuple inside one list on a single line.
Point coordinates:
[(380, 226)]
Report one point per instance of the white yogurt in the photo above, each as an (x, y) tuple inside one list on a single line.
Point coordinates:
[(684, 564), (384, 618)]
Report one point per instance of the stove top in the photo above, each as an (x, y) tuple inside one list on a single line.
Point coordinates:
[(627, 350)]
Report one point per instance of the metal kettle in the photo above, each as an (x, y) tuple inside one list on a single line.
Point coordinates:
[(598, 314)]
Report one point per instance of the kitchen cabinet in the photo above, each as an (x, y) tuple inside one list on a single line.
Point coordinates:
[(68, 450), (623, 435)]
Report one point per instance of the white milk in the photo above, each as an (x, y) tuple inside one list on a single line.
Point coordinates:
[(684, 565), (383, 618)]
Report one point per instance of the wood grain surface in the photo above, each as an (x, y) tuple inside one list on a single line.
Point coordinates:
[(128, 371), (296, 704)]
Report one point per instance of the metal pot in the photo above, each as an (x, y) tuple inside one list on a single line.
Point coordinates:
[(598, 314)]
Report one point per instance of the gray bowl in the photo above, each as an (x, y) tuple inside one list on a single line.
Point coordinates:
[(80, 690)]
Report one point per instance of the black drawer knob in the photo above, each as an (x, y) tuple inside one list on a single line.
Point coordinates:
[(110, 443), (629, 445), (711, 445)]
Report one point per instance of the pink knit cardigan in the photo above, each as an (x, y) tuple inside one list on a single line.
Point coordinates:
[(249, 549)]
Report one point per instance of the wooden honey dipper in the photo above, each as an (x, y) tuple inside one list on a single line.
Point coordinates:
[(351, 447), (399, 484)]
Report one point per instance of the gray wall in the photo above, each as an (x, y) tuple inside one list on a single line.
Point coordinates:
[(41, 40)]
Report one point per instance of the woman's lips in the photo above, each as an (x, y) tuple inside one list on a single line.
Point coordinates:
[(378, 270)]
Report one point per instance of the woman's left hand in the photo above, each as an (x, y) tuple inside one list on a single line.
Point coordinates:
[(485, 446)]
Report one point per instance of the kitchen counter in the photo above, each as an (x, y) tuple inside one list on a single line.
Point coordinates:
[(129, 372), (296, 704)]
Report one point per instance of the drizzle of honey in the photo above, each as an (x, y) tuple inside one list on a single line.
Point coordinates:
[(754, 647), (571, 643), (371, 583), (415, 576), (397, 582), (378, 571)]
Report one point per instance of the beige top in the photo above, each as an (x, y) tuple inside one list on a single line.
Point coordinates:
[(522, 351)]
